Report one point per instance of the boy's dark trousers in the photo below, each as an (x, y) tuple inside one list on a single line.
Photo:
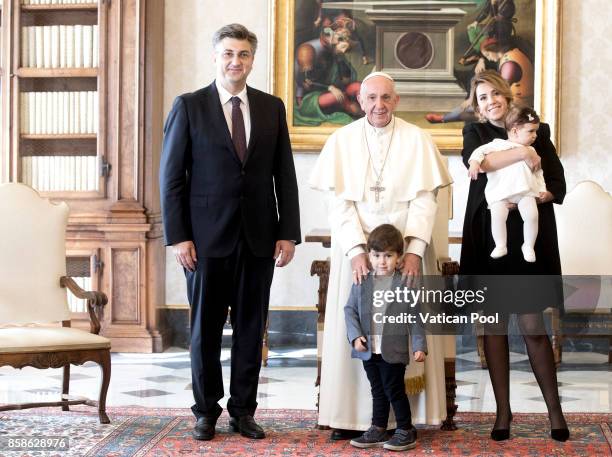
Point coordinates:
[(387, 383)]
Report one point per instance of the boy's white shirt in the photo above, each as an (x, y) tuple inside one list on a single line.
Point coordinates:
[(384, 283)]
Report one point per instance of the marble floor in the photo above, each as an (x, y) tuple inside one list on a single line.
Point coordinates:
[(164, 380)]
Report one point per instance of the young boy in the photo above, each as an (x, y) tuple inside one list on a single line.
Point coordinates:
[(383, 346)]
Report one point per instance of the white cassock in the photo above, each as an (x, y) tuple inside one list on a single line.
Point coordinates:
[(412, 172)]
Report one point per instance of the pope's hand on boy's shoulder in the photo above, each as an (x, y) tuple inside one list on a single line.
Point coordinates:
[(419, 356), (360, 264), (410, 267)]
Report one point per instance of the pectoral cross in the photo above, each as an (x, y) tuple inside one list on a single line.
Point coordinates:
[(377, 189)]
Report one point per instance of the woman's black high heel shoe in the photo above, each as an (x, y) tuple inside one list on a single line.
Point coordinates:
[(502, 434), (559, 434)]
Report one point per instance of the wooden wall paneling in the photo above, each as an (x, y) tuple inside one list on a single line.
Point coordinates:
[(103, 100), (152, 25), (5, 91), (112, 119), (14, 165), (128, 103), (126, 323), (13, 93), (126, 81), (126, 284), (156, 288)]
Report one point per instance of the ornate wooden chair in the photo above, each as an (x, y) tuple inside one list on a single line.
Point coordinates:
[(33, 299)]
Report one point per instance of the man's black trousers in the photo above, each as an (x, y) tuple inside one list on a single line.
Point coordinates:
[(242, 282)]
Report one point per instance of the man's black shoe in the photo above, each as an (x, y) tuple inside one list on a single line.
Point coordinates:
[(204, 428), (247, 426), (339, 434)]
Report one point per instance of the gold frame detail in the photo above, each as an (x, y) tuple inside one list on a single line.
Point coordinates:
[(311, 139)]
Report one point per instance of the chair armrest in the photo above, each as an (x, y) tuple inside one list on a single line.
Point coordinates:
[(450, 271), (95, 301), (448, 267)]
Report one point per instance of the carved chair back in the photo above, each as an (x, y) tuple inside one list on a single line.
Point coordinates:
[(32, 257), (584, 222)]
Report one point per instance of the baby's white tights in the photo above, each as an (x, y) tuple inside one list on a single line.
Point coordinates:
[(499, 215)]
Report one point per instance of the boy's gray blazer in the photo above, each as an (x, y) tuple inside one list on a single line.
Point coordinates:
[(394, 342)]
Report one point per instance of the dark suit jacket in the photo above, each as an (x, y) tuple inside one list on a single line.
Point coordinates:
[(394, 342), (209, 196)]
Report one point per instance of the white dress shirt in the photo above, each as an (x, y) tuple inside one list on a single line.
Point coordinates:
[(226, 104), (380, 283)]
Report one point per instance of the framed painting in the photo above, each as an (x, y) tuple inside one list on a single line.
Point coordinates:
[(322, 49)]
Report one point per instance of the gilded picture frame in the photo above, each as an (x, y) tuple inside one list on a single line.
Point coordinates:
[(310, 138)]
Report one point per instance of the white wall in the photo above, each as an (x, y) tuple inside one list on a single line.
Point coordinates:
[(586, 114), (586, 92), (189, 27)]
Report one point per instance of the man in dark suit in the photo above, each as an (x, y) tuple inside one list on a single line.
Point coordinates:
[(230, 207)]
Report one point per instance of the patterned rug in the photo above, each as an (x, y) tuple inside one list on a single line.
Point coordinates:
[(167, 432)]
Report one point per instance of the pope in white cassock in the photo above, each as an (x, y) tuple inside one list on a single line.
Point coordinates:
[(377, 170)]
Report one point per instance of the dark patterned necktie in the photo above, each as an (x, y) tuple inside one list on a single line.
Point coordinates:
[(238, 133)]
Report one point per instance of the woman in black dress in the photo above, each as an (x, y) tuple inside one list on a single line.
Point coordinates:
[(490, 97)]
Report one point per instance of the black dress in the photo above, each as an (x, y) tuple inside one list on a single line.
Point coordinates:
[(477, 238)]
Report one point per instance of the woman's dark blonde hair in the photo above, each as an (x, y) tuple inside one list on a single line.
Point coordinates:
[(495, 80)]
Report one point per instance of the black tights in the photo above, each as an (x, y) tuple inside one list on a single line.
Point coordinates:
[(542, 362)]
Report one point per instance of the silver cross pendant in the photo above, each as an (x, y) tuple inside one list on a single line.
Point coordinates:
[(377, 189)]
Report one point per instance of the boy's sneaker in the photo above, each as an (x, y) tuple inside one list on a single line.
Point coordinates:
[(402, 440), (372, 437)]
